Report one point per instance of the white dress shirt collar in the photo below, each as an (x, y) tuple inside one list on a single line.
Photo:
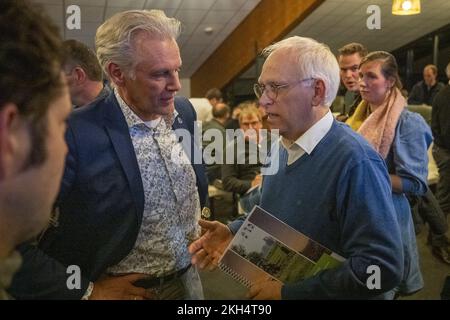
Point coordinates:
[(309, 140)]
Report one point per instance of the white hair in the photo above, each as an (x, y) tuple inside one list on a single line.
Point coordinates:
[(114, 38), (315, 60)]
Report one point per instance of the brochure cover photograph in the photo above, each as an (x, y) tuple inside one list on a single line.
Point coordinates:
[(265, 247)]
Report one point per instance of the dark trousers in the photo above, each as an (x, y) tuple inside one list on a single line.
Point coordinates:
[(442, 158), (427, 209)]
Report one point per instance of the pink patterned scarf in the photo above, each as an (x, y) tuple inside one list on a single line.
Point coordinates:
[(379, 127)]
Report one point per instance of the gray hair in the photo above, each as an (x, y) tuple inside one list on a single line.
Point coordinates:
[(114, 38), (315, 60)]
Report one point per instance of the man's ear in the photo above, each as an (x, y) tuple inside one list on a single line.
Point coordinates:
[(116, 74), (80, 74), (7, 114), (13, 140), (319, 93)]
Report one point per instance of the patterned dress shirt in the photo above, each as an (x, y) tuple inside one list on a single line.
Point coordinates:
[(172, 204)]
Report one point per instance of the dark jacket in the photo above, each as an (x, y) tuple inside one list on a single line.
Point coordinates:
[(238, 177), (420, 94), (214, 170), (440, 118), (101, 203)]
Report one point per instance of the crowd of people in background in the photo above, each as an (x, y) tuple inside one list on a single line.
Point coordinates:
[(108, 194)]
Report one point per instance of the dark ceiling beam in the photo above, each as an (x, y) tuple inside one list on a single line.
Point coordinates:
[(268, 22)]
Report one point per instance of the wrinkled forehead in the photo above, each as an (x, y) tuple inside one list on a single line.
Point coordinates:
[(281, 64), (150, 52), (145, 42)]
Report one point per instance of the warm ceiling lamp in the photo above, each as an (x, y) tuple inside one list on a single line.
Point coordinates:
[(405, 7)]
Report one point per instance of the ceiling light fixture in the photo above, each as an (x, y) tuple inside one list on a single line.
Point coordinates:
[(209, 30), (405, 7)]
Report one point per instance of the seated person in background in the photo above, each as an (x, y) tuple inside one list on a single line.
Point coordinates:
[(204, 106), (221, 113), (424, 91), (402, 139), (83, 73), (350, 57), (244, 173), (214, 96), (264, 116), (233, 122), (34, 106), (329, 183)]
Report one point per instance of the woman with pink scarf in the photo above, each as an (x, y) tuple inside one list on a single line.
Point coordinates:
[(402, 138)]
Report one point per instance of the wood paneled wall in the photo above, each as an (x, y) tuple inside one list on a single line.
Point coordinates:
[(270, 21)]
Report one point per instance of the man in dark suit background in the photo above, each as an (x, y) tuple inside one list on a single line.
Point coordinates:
[(130, 197), (425, 91), (221, 113)]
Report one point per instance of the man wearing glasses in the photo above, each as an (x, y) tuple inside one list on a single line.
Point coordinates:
[(330, 184)]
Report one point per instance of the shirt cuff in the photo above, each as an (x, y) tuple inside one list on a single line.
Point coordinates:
[(235, 225)]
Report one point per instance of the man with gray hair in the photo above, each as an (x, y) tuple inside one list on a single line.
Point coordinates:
[(331, 185), (130, 197)]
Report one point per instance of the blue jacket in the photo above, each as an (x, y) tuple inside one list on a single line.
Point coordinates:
[(101, 202), (339, 195), (408, 159)]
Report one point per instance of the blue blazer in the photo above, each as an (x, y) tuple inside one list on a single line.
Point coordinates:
[(101, 202)]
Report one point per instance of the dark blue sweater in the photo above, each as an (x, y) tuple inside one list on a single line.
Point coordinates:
[(339, 195)]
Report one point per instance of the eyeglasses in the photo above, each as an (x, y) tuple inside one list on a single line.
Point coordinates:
[(273, 89)]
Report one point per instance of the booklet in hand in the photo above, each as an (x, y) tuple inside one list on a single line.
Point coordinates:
[(267, 248)]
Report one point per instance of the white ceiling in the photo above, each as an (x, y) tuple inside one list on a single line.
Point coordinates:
[(338, 22), (195, 15), (335, 22)]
